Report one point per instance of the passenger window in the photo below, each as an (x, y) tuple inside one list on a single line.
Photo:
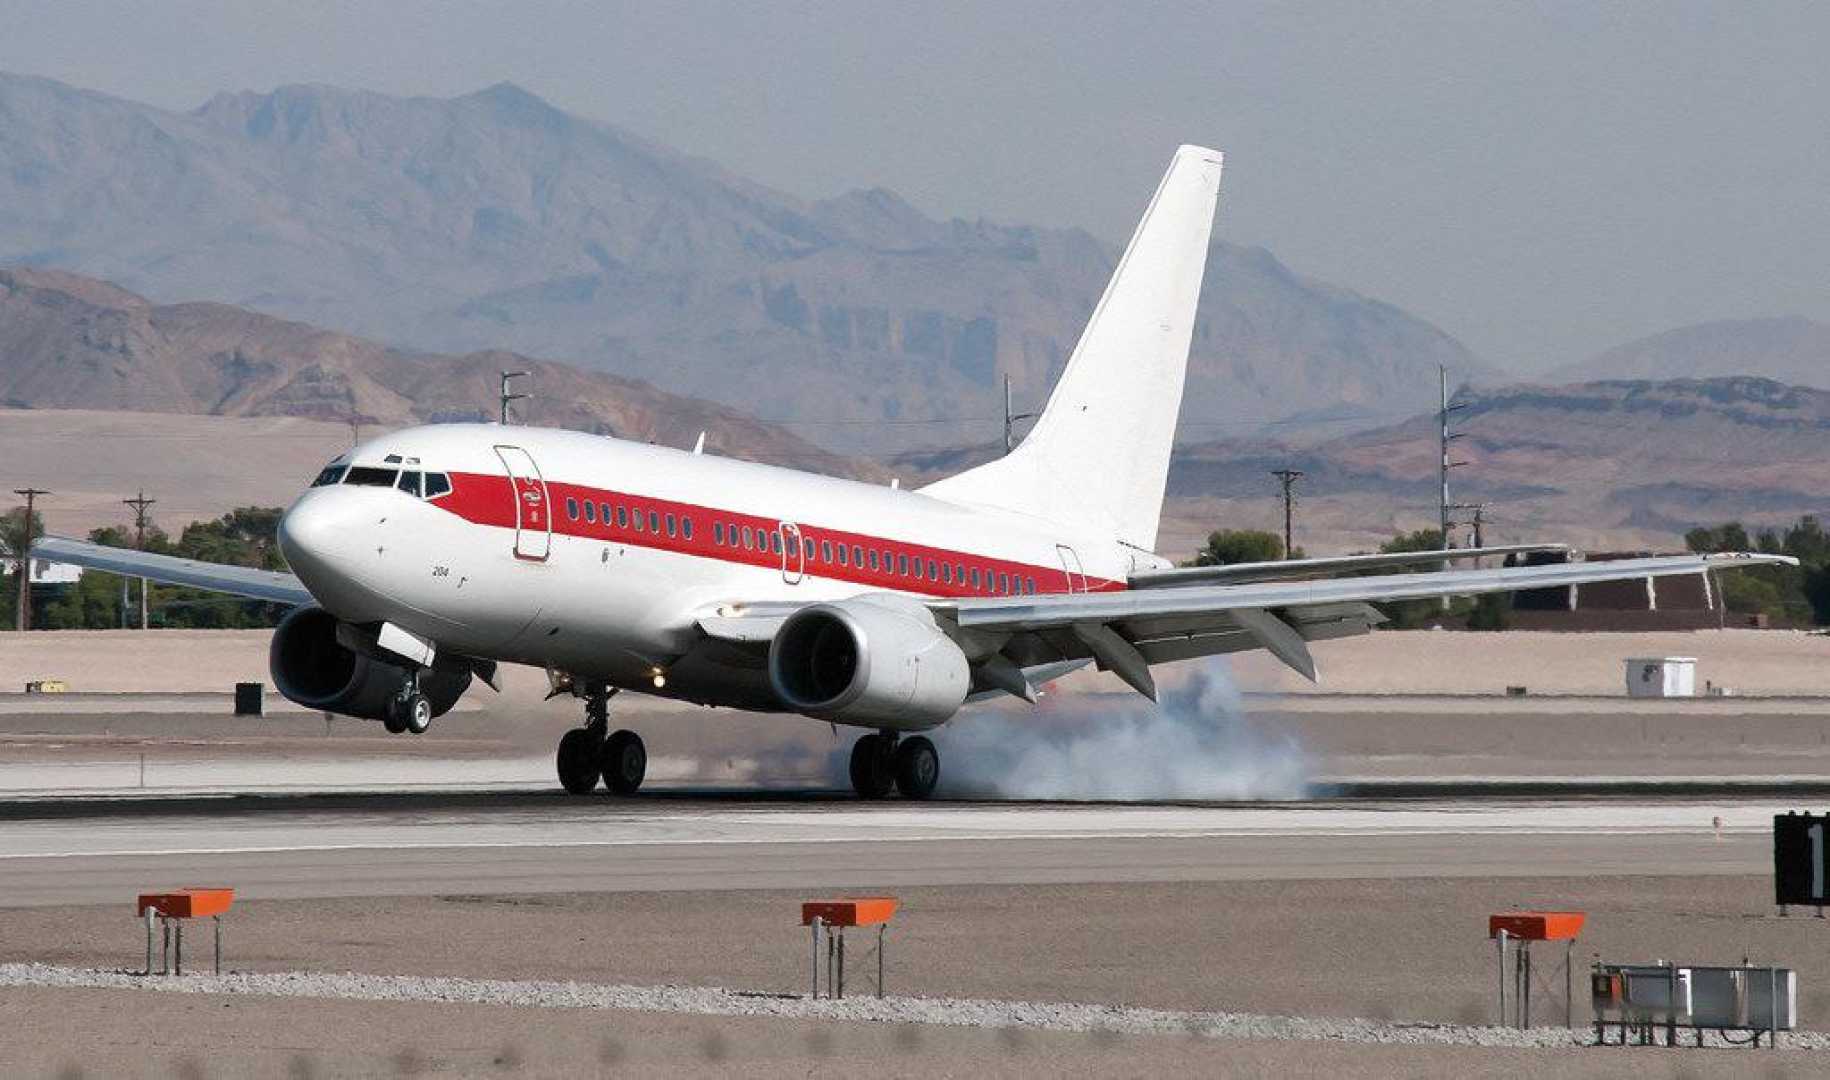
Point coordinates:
[(917, 569), (363, 476), (409, 483), (591, 512), (437, 483), (654, 522), (873, 558), (931, 569), (844, 560), (1003, 583), (671, 525), (638, 521), (975, 577), (775, 542), (857, 556), (902, 565), (571, 508), (329, 476), (807, 548), (717, 532), (1029, 585), (748, 541), (946, 573), (686, 528), (604, 510)]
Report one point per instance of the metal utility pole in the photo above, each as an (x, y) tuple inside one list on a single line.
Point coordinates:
[(25, 558), (507, 396), (1288, 477), (1010, 420), (139, 503), (1444, 506)]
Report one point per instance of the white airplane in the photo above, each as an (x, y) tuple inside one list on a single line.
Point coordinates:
[(426, 557)]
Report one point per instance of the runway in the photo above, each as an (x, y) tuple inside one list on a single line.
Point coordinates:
[(378, 846)]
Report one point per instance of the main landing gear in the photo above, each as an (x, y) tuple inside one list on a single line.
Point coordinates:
[(882, 761), (587, 753), (408, 709)]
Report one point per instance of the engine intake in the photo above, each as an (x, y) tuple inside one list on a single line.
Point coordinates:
[(871, 661), (311, 667)]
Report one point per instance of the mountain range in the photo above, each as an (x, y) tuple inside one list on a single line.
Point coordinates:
[(496, 221), (1605, 464), (71, 342), (1792, 349)]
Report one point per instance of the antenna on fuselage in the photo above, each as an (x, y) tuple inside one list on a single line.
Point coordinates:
[(699, 447), (508, 397)]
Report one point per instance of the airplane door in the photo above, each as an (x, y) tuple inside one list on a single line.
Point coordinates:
[(793, 553), (1070, 566), (533, 512)]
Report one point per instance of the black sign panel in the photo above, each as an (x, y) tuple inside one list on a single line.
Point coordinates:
[(1798, 859)]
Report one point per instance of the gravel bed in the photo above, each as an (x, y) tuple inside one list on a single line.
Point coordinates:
[(716, 1001)]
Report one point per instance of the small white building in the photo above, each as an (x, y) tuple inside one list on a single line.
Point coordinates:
[(1662, 676)]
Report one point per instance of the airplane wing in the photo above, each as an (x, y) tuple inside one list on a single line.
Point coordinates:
[(1126, 632), (1235, 573), (245, 581)]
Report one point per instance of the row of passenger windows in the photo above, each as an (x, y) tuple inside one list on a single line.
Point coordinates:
[(825, 551)]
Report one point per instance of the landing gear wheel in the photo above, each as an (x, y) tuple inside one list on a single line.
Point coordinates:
[(391, 718), (624, 762), (415, 714), (917, 768), (578, 761), (872, 774)]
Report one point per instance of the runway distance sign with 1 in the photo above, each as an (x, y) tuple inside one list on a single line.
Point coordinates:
[(1798, 859)]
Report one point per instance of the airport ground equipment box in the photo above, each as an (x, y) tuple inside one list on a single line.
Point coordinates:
[(1662, 676)]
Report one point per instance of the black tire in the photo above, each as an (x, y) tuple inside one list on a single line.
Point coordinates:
[(391, 717), (872, 773), (577, 761), (416, 714), (917, 768), (624, 762)]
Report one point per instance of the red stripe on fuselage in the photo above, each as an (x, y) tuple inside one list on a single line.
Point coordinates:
[(487, 499)]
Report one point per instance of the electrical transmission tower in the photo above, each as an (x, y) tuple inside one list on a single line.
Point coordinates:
[(509, 397)]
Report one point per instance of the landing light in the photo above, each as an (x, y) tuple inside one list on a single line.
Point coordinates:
[(660, 678)]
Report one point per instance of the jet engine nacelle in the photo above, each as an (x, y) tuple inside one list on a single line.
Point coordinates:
[(872, 661), (311, 667)]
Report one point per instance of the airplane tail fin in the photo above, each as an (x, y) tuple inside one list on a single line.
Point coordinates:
[(1099, 454)]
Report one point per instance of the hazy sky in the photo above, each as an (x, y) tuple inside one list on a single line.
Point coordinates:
[(1543, 181)]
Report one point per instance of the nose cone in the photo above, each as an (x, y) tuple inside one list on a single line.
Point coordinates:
[(323, 538), (308, 536)]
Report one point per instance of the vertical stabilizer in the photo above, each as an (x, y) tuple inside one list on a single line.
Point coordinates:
[(1098, 456)]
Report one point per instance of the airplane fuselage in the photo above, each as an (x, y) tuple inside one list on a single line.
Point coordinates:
[(596, 556)]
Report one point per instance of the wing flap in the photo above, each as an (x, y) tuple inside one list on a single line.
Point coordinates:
[(1285, 569)]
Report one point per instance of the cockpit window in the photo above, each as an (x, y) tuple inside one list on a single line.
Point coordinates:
[(368, 476), (409, 483), (437, 484), (331, 475)]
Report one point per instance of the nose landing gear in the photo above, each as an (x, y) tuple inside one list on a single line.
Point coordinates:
[(408, 710), (587, 754), (881, 762)]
